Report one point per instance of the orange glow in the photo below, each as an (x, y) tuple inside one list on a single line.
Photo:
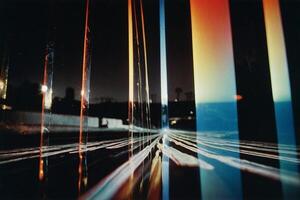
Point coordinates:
[(84, 100), (41, 162), (276, 51), (155, 177), (238, 97), (130, 54), (84, 72), (79, 172), (212, 51), (41, 169)]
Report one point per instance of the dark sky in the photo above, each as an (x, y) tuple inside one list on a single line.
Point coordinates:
[(25, 28)]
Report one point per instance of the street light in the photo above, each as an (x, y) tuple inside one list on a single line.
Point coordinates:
[(44, 88), (1, 85)]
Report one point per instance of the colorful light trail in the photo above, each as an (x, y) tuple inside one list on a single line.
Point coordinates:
[(215, 88), (280, 83)]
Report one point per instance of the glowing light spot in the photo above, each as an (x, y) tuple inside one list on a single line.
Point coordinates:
[(5, 107), (48, 99), (41, 171), (173, 122), (1, 85), (44, 88), (238, 97)]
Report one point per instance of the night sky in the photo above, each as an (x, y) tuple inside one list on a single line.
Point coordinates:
[(27, 25)]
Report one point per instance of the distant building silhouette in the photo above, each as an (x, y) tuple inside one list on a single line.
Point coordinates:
[(68, 104), (70, 94)]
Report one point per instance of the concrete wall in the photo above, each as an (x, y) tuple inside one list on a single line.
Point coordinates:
[(33, 118), (112, 123)]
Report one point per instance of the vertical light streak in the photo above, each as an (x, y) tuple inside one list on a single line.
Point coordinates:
[(4, 78), (85, 71), (163, 67), (82, 173), (148, 120), (140, 118), (280, 83), (215, 89), (165, 171), (131, 84), (41, 161), (131, 66), (164, 99), (85, 91), (276, 51), (46, 90), (139, 83)]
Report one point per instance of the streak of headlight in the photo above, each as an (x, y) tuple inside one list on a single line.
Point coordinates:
[(154, 191), (245, 143), (108, 187), (183, 159), (222, 146), (244, 165)]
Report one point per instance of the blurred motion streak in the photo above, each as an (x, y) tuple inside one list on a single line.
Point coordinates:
[(280, 85), (214, 79)]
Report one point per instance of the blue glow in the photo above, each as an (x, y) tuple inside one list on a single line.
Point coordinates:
[(163, 68), (216, 118), (165, 173), (164, 98)]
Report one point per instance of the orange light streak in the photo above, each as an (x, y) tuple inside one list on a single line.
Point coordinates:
[(84, 74), (41, 162), (214, 81), (276, 51), (131, 66)]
